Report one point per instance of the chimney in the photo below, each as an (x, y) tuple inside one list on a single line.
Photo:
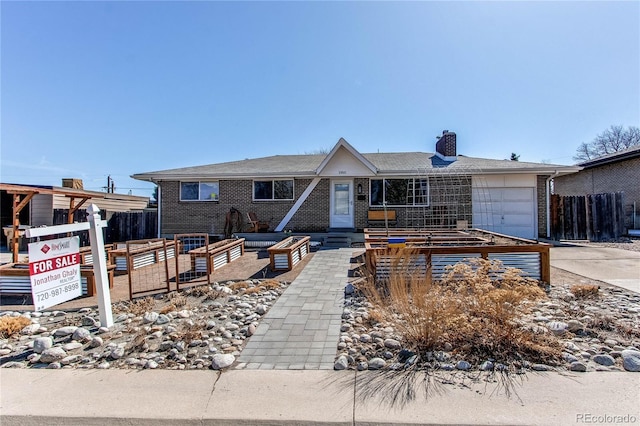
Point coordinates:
[(446, 145), (72, 183)]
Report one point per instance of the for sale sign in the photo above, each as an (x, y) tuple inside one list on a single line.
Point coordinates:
[(54, 268)]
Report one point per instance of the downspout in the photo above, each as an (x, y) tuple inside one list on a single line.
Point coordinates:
[(548, 200)]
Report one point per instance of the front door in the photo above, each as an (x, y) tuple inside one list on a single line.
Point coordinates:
[(341, 204)]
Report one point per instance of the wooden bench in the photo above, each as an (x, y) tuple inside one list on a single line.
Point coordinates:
[(286, 254), (377, 218), (217, 254)]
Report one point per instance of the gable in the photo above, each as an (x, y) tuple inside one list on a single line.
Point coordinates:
[(342, 162)]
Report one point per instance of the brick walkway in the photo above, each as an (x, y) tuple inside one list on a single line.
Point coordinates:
[(301, 330)]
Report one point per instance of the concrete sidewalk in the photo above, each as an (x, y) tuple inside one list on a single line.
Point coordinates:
[(258, 397), (610, 265)]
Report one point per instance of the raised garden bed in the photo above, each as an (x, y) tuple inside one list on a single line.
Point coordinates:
[(435, 250), (216, 254), (15, 279), (86, 257), (140, 253), (286, 254)]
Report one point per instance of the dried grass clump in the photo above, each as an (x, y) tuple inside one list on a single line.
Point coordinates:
[(475, 308), (137, 306), (12, 325), (583, 291), (239, 285)]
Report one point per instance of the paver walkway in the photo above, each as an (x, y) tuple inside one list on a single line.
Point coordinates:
[(301, 330)]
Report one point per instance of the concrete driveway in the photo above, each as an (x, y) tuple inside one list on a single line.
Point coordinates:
[(613, 266)]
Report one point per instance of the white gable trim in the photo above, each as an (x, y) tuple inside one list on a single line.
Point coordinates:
[(344, 144)]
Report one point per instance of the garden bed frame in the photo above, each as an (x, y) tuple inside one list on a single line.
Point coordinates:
[(435, 250), (214, 256), (139, 253), (15, 279), (286, 254)]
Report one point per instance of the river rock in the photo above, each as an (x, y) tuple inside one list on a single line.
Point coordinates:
[(65, 331), (631, 360), (220, 361), (604, 359), (41, 344), (342, 363), (52, 355)]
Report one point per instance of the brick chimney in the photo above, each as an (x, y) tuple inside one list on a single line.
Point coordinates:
[(446, 145)]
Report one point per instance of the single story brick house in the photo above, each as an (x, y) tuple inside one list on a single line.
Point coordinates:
[(336, 191), (617, 172)]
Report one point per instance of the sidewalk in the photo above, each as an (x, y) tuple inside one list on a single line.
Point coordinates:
[(258, 397)]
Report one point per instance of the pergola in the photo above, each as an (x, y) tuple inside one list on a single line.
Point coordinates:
[(22, 194)]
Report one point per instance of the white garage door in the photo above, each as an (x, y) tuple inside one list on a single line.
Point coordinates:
[(510, 211)]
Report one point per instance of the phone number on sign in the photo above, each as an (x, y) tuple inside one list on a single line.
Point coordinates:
[(58, 291)]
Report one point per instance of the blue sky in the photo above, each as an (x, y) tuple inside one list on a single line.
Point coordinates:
[(91, 89)]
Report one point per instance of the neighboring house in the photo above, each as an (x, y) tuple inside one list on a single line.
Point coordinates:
[(318, 192), (45, 200), (617, 172)]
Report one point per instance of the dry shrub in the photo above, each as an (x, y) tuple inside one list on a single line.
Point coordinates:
[(475, 308), (201, 290), (137, 306), (239, 285), (12, 325), (583, 291), (270, 285)]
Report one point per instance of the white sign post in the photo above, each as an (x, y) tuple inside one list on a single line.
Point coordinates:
[(54, 268), (97, 250)]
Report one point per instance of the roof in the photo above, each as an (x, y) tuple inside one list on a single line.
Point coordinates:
[(382, 164), (68, 192), (625, 154)]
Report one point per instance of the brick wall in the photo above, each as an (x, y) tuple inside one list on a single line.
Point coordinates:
[(621, 176), (541, 187), (206, 216)]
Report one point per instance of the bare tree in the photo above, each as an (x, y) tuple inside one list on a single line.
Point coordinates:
[(614, 139)]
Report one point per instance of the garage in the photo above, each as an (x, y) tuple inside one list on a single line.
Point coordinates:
[(506, 210)]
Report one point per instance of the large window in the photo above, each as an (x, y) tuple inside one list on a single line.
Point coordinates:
[(199, 191), (273, 189), (400, 192)]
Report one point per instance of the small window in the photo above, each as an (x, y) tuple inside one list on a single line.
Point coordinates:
[(199, 191), (273, 189)]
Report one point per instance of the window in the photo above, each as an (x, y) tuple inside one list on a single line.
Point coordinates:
[(400, 192), (199, 191), (273, 189)]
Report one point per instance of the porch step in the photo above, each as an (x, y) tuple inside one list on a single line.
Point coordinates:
[(337, 241)]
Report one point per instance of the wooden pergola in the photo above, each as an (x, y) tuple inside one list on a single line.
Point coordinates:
[(22, 195)]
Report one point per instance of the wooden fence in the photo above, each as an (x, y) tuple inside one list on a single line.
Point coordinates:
[(122, 226), (593, 217)]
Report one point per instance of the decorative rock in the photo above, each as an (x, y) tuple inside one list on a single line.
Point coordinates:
[(151, 364), (631, 360), (150, 317), (557, 327), (41, 344), (392, 344), (30, 329), (342, 363), (65, 331), (349, 289), (377, 363), (602, 359), (220, 361), (89, 322), (72, 346), (81, 335), (96, 342), (540, 367), (574, 325), (578, 366), (117, 352), (52, 355), (486, 366), (463, 365), (162, 319)]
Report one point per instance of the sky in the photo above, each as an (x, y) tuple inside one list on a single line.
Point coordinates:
[(105, 88)]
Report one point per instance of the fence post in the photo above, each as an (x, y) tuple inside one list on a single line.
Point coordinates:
[(100, 265)]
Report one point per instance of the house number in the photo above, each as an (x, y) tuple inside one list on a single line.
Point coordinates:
[(342, 172)]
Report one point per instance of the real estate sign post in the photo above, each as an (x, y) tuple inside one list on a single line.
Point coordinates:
[(94, 225)]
